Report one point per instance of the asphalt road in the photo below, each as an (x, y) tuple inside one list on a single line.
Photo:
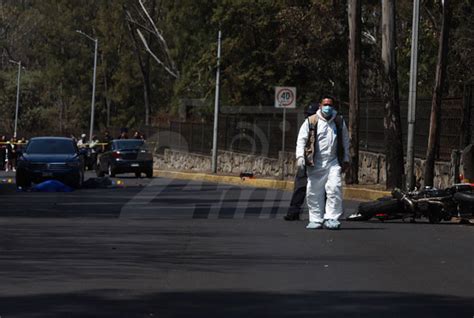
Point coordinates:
[(173, 248)]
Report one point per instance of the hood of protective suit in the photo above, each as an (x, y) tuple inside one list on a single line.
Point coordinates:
[(321, 116)]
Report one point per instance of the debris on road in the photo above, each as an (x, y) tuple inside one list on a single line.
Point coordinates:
[(97, 183)]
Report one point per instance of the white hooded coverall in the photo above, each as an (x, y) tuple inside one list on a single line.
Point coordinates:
[(324, 189)]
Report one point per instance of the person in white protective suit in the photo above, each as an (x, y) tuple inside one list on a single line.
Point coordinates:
[(323, 146), (81, 143)]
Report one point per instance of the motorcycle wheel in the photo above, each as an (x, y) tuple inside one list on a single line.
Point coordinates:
[(385, 205), (465, 202), (434, 218), (464, 197), (434, 214)]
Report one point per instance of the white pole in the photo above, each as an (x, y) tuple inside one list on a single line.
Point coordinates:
[(96, 44), (216, 107), (412, 97), (96, 41), (283, 144), (17, 99)]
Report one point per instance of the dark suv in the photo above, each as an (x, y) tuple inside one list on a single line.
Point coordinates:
[(125, 155), (50, 158)]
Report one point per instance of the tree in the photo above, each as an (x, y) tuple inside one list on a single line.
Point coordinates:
[(435, 117), (392, 123), (303, 44), (143, 61), (354, 17), (191, 29), (161, 53), (265, 43)]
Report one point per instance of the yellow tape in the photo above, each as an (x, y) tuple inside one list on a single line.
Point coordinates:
[(12, 143), (24, 143)]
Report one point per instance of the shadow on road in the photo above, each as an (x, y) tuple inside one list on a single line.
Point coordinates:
[(117, 303), (408, 223)]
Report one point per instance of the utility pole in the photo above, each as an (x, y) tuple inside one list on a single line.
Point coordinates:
[(435, 116), (412, 97), (96, 44), (394, 161), (354, 17), (17, 96), (216, 106)]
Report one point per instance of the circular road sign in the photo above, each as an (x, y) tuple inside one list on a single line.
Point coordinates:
[(285, 97)]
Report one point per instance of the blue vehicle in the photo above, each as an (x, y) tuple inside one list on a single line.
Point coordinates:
[(46, 158)]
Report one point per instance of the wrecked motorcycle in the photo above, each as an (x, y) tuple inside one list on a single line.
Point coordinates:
[(436, 205)]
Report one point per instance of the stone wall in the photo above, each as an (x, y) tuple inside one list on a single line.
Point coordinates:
[(372, 170), (228, 163), (371, 166)]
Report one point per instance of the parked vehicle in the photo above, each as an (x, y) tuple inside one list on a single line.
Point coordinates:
[(50, 158), (434, 204), (124, 156)]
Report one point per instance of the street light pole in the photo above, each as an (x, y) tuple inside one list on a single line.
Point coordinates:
[(96, 44), (412, 97), (216, 107), (17, 96)]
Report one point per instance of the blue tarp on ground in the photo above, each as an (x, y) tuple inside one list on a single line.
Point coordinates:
[(51, 186)]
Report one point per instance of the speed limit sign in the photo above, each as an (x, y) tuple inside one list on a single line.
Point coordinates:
[(285, 97)]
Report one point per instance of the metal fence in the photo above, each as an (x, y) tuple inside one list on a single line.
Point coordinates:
[(261, 133), (372, 126), (258, 130)]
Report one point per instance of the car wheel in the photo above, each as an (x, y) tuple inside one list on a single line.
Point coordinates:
[(149, 173), (99, 172), (22, 181), (111, 171), (76, 183)]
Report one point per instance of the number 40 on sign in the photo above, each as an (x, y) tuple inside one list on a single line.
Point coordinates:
[(285, 97)]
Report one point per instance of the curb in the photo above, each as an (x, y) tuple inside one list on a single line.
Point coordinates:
[(363, 194), (350, 193)]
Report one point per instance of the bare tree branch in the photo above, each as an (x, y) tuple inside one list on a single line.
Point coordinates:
[(141, 15), (171, 72), (133, 21), (369, 37), (161, 41), (431, 17)]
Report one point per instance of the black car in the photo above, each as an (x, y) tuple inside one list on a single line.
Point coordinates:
[(50, 158), (125, 155)]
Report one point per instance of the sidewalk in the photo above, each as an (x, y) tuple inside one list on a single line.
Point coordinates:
[(353, 192)]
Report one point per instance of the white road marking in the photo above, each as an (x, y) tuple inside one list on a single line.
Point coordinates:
[(144, 197), (245, 194), (270, 196)]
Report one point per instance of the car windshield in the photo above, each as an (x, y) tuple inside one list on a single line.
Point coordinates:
[(51, 146), (129, 144)]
